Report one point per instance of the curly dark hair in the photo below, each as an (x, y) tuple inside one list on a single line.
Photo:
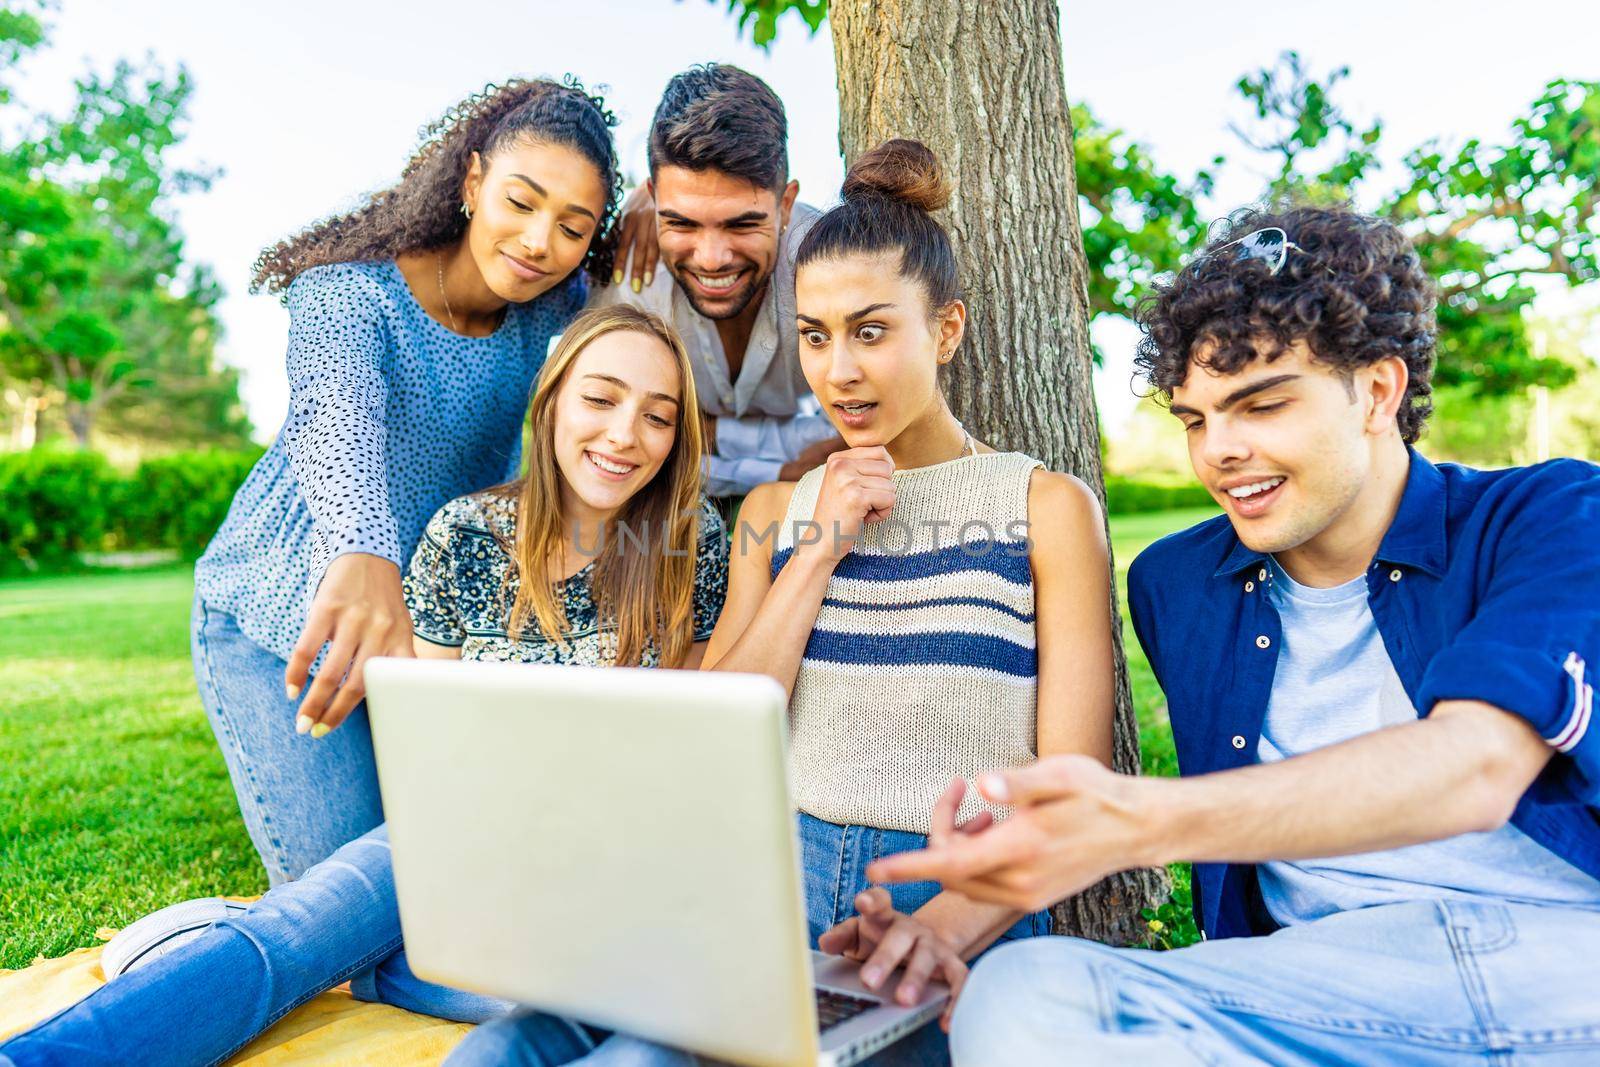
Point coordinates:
[(422, 210), (1352, 289)]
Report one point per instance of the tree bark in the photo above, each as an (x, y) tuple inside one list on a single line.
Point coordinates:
[(980, 83)]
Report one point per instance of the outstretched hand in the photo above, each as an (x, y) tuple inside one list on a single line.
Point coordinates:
[(884, 939), (359, 611), (1074, 822)]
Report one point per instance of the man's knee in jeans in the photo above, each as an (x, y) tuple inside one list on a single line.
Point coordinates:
[(1025, 997)]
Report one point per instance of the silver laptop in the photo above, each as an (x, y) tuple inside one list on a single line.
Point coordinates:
[(615, 845)]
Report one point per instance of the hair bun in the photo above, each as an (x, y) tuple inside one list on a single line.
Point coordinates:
[(902, 170)]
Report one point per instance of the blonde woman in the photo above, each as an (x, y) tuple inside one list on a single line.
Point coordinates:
[(583, 561)]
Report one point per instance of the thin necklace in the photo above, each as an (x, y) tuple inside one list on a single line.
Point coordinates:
[(439, 261), (968, 446)]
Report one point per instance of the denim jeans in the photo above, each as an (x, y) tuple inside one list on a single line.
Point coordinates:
[(1424, 982), (300, 798), (834, 862), (211, 997)]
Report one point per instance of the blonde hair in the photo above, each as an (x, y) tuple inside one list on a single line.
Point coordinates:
[(644, 588)]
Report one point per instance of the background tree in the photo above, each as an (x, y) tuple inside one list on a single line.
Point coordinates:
[(1489, 218), (1496, 220), (101, 317)]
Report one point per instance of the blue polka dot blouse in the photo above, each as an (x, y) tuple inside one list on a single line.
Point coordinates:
[(391, 414)]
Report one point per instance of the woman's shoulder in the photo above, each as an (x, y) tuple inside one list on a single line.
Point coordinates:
[(1063, 508), (489, 511), (769, 502), (352, 287), (709, 521)]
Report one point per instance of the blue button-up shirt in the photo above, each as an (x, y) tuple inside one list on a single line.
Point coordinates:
[(1486, 587)]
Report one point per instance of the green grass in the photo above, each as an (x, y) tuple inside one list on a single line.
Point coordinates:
[(113, 796), (114, 799)]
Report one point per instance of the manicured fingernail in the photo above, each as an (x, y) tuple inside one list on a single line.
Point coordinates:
[(616, 277), (871, 976), (994, 787), (908, 994), (321, 730), (648, 275), (291, 692), (303, 724), (637, 286)]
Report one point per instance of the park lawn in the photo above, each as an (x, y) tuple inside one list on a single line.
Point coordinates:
[(114, 799)]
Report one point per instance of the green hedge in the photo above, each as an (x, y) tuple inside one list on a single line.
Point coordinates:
[(55, 505), (178, 501), (1127, 496)]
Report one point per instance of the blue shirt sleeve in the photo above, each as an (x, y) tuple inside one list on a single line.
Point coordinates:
[(1140, 611), (1535, 635), (736, 477), (335, 433)]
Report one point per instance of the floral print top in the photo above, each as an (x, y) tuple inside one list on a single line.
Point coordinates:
[(459, 594)]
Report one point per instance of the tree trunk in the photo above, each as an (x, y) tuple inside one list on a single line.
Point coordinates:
[(979, 82), (80, 420)]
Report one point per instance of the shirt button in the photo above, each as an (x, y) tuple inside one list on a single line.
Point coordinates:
[(1394, 575), (1263, 641), (1249, 587), (1262, 574), (1238, 740)]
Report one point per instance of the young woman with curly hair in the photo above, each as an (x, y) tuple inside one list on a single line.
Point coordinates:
[(417, 322), (605, 554)]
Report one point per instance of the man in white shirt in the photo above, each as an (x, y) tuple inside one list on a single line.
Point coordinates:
[(728, 227)]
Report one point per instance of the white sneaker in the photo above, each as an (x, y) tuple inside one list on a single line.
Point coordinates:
[(162, 931)]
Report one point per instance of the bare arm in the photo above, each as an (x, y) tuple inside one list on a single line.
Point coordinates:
[(1460, 770), (1072, 597), (751, 634)]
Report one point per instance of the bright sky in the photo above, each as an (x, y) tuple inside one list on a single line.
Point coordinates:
[(306, 105)]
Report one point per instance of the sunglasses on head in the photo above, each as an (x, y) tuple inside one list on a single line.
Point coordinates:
[(1270, 245)]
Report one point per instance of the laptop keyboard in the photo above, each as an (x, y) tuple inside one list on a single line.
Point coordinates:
[(835, 1008)]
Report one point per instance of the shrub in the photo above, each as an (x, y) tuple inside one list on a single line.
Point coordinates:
[(1126, 496), (53, 505), (179, 500)]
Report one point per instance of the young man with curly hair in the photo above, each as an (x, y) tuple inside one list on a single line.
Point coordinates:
[(1377, 675)]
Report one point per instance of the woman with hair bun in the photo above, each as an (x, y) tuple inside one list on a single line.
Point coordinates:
[(417, 322), (934, 608)]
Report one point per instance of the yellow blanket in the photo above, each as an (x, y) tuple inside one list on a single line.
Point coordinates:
[(332, 1030)]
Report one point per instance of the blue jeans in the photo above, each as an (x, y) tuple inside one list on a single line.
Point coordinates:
[(300, 798), (1426, 982), (834, 862), (207, 1000)]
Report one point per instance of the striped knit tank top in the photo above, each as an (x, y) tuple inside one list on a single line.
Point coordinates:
[(922, 663)]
